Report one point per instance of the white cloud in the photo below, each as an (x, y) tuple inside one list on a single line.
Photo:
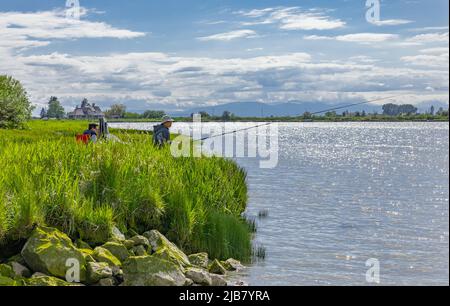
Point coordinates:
[(293, 18), (429, 38), (426, 29), (358, 37), (230, 35), (20, 30), (433, 61), (434, 51), (392, 22)]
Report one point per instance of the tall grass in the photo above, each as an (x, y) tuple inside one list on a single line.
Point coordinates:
[(47, 178)]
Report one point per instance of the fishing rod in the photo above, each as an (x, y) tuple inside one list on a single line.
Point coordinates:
[(315, 113)]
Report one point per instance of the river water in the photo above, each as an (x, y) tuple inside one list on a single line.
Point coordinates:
[(346, 193)]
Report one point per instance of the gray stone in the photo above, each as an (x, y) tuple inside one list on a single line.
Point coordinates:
[(199, 276), (152, 271), (200, 260), (103, 255), (140, 240), (218, 280), (165, 249), (20, 270), (116, 234), (97, 271), (107, 282), (139, 250), (232, 265), (217, 268), (117, 249)]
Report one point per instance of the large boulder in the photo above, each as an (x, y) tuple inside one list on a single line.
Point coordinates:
[(117, 249), (200, 260), (152, 271), (103, 255), (48, 250), (97, 271), (165, 249), (199, 276)]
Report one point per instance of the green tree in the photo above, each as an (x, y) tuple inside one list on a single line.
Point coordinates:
[(15, 108), (116, 111), (307, 115), (151, 114), (227, 115), (55, 109)]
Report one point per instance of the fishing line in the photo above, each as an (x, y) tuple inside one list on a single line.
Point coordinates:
[(315, 113)]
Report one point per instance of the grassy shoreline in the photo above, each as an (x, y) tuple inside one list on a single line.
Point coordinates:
[(49, 179), (420, 118)]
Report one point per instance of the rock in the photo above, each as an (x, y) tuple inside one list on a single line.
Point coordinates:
[(199, 276), (97, 271), (118, 274), (199, 260), (240, 284), (232, 265), (88, 255), (47, 281), (152, 271), (140, 240), (8, 282), (103, 255), (131, 233), (189, 282), (82, 245), (107, 282), (139, 250), (7, 271), (117, 249), (48, 250), (20, 270), (116, 234), (17, 258), (216, 268), (162, 247), (218, 280), (128, 244)]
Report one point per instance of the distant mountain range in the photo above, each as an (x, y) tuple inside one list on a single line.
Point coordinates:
[(257, 109)]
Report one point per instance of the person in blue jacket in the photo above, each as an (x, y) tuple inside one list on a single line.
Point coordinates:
[(161, 132), (92, 131)]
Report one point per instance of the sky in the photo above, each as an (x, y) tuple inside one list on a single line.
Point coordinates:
[(176, 55)]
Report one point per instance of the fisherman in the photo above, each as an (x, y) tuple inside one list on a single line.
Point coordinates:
[(161, 133), (92, 132)]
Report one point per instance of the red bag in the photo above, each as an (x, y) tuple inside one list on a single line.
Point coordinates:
[(83, 139)]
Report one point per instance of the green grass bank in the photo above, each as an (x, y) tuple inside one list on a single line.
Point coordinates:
[(49, 179)]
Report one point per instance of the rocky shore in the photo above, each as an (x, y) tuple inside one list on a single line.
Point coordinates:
[(51, 258)]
